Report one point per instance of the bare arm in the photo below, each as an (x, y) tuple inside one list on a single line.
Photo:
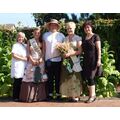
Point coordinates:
[(29, 51), (79, 51), (19, 57), (29, 54), (44, 49), (98, 46)]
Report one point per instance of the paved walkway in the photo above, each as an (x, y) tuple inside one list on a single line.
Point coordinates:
[(112, 102)]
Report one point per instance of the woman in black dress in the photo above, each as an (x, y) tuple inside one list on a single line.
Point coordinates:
[(91, 47)]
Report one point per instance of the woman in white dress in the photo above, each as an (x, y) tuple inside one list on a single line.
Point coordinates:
[(19, 59)]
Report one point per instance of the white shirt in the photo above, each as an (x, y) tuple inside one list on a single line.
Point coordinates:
[(51, 39), (18, 66)]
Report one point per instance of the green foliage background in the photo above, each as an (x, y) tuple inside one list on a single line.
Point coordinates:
[(107, 29), (6, 41)]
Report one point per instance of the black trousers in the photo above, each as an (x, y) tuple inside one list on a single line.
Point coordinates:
[(53, 71), (16, 87)]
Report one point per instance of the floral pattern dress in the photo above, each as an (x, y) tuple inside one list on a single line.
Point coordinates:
[(70, 84), (29, 72)]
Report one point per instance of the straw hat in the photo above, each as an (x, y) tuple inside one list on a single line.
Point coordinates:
[(53, 21)]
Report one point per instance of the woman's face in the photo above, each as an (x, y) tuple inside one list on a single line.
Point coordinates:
[(36, 34), (20, 38), (70, 29), (88, 29)]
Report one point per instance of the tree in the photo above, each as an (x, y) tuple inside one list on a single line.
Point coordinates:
[(105, 16), (74, 18), (41, 18), (84, 16)]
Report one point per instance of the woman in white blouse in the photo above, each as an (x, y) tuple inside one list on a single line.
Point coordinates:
[(19, 58)]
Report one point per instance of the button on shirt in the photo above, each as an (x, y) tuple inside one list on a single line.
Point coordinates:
[(51, 39), (18, 66)]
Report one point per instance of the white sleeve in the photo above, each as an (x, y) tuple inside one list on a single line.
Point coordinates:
[(78, 38), (44, 36), (63, 37), (15, 49)]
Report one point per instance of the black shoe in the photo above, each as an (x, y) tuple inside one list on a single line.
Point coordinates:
[(58, 98), (91, 99), (49, 98)]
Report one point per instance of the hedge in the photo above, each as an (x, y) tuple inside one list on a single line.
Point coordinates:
[(107, 29)]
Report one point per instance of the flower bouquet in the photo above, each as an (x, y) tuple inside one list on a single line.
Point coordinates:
[(67, 47)]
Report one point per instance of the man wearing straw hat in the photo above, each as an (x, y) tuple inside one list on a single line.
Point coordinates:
[(52, 56)]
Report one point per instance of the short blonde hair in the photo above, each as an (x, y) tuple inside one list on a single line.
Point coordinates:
[(70, 24), (22, 34)]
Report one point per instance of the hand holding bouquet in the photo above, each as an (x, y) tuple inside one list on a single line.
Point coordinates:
[(63, 47), (67, 48)]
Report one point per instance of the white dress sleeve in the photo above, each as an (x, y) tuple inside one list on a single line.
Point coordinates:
[(15, 49), (78, 38)]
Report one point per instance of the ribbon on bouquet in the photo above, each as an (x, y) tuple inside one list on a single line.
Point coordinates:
[(76, 63), (76, 67)]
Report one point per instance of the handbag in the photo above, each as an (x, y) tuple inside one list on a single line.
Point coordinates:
[(99, 71), (37, 75)]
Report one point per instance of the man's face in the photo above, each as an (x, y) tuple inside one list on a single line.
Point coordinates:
[(53, 27)]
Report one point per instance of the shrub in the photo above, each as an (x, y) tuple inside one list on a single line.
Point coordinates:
[(6, 42), (106, 85)]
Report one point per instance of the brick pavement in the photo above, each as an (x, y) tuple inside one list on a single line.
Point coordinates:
[(111, 102)]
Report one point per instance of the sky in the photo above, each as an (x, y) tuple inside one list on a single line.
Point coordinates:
[(26, 19)]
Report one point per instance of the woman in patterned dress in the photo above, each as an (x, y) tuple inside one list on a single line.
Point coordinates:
[(35, 63), (70, 84)]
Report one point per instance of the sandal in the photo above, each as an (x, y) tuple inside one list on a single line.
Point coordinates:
[(91, 99)]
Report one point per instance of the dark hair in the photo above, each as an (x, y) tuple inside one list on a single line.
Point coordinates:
[(88, 22), (40, 39)]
